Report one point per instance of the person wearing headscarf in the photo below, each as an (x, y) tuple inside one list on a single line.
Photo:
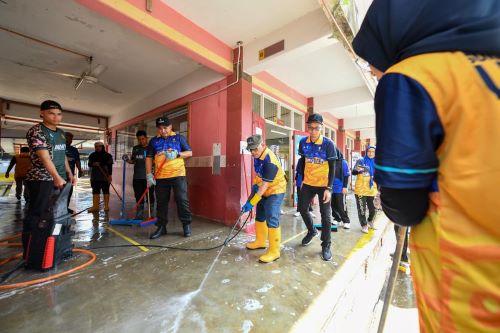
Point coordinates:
[(437, 110), (365, 189)]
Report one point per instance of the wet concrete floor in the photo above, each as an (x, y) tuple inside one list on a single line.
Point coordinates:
[(149, 289)]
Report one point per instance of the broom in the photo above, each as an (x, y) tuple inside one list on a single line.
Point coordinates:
[(122, 211)]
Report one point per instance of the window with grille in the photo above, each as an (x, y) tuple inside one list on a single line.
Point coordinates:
[(350, 143), (256, 103), (298, 121), (286, 116), (270, 110)]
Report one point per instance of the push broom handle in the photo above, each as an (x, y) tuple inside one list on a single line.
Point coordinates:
[(149, 206), (122, 213), (392, 278), (110, 183), (147, 188)]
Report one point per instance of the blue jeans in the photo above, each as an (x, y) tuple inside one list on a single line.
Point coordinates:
[(269, 210)]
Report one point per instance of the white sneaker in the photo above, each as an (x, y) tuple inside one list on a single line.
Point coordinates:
[(347, 226), (312, 214), (282, 212), (364, 229), (371, 225), (334, 222), (296, 214)]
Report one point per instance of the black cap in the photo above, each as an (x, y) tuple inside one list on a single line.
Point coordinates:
[(254, 141), (163, 121), (48, 104), (315, 118)]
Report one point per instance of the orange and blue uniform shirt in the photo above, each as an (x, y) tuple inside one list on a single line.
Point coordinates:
[(438, 120), (317, 154), (268, 169), (156, 150)]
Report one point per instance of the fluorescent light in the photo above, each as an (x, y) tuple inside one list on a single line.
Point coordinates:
[(276, 132)]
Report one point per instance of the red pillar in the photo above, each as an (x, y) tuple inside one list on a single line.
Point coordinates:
[(310, 106), (341, 137), (357, 142), (239, 127)]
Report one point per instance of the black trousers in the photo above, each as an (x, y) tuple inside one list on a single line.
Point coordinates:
[(361, 203), (307, 193), (140, 186), (298, 200), (339, 210), (163, 188), (40, 192), (69, 195), (98, 186)]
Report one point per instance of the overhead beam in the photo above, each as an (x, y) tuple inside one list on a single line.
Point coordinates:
[(368, 133), (301, 36), (168, 27), (342, 99), (358, 123)]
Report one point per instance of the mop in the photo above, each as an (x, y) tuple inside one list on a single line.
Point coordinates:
[(122, 220), (333, 227)]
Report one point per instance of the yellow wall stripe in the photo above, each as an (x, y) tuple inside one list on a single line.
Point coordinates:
[(261, 84), (160, 27)]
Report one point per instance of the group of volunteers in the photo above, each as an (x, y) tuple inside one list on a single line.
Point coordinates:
[(322, 172), (50, 161), (159, 169), (437, 106)]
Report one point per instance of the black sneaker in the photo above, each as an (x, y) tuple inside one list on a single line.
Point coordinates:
[(326, 253), (187, 230), (309, 237)]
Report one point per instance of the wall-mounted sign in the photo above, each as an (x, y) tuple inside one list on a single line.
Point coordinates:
[(272, 49)]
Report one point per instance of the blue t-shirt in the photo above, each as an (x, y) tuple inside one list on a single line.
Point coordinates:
[(338, 183), (317, 154), (73, 156), (156, 149)]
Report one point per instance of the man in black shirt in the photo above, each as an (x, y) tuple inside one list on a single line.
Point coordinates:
[(139, 183), (101, 165)]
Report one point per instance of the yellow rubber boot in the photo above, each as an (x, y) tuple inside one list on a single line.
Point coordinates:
[(260, 236), (274, 246), (106, 202), (95, 204)]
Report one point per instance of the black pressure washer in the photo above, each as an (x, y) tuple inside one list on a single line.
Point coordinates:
[(50, 238)]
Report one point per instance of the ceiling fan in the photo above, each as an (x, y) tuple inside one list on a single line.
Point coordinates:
[(88, 76)]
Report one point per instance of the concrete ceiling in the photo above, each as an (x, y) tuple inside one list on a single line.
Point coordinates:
[(136, 65), (321, 72), (245, 21), (144, 69)]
